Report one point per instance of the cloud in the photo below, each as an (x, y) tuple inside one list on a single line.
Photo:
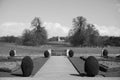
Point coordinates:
[(16, 29), (53, 29), (108, 30), (13, 28), (56, 29), (12, 24)]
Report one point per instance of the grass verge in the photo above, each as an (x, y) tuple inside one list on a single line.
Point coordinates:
[(79, 66), (38, 63)]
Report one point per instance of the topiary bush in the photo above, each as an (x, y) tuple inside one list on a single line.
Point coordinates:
[(105, 53), (12, 53), (71, 53), (46, 54), (27, 66), (91, 66)]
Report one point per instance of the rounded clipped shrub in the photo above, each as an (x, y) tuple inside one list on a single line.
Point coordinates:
[(12, 53), (91, 66), (71, 53), (46, 54), (27, 66), (105, 53)]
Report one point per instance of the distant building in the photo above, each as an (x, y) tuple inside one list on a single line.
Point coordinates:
[(59, 39)]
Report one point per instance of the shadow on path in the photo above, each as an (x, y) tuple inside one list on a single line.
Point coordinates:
[(80, 75)]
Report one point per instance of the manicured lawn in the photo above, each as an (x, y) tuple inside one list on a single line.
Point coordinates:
[(31, 50), (79, 65), (38, 63), (39, 50)]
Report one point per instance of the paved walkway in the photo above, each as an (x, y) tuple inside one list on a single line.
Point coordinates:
[(57, 67)]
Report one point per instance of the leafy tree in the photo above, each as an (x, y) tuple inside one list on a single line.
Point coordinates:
[(39, 32), (82, 33), (91, 35), (77, 34), (27, 38), (36, 36), (37, 24)]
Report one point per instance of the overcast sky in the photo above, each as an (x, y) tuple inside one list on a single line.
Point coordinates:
[(57, 15)]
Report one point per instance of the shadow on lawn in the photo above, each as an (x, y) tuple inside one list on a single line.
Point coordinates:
[(17, 73)]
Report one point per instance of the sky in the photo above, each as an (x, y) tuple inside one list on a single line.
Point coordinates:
[(57, 15)]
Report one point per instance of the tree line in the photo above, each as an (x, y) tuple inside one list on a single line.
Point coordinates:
[(82, 33), (85, 34), (36, 36)]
